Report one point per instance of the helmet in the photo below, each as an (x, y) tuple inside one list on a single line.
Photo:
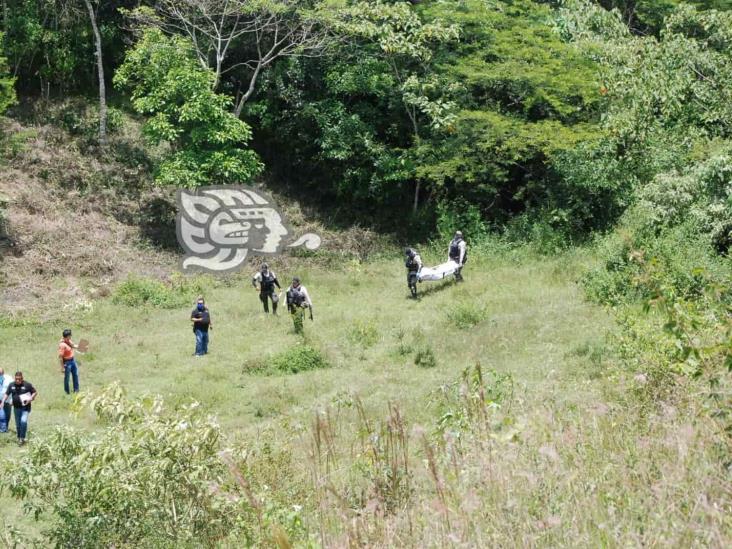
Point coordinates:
[(264, 267), (458, 234), (67, 333), (296, 280), (408, 251)]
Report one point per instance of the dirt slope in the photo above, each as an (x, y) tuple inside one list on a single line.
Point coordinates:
[(72, 225)]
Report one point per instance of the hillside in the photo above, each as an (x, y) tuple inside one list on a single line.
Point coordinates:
[(575, 390), (74, 223), (565, 456)]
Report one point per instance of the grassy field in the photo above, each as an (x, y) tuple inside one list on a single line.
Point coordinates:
[(571, 460)]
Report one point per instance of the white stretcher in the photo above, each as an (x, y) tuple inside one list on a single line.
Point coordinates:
[(439, 272)]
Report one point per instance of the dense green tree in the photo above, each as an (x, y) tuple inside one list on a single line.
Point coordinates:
[(7, 83), (647, 16), (50, 44), (404, 43), (169, 85), (526, 98), (493, 108), (240, 39)]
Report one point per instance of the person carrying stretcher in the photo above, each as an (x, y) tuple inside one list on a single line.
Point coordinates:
[(457, 252), (414, 266)]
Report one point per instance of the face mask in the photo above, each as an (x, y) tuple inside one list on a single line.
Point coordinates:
[(199, 306)]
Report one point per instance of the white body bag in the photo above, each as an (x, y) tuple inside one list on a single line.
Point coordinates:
[(439, 272)]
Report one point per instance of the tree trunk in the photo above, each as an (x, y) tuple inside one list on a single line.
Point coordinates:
[(417, 142), (416, 197), (100, 73), (250, 90)]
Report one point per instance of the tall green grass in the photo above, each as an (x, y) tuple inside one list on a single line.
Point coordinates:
[(547, 446)]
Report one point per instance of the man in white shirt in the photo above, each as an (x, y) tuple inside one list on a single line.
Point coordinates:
[(298, 299), (458, 252)]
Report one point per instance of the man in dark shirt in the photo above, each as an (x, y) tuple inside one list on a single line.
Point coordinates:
[(267, 281), (201, 319), (22, 394)]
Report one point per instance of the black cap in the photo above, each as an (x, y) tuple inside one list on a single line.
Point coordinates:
[(67, 333)]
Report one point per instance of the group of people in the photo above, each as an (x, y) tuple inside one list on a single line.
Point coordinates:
[(298, 298), (17, 397), (17, 393), (457, 252), (264, 281)]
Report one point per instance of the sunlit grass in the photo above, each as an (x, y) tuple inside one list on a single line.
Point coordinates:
[(571, 467)]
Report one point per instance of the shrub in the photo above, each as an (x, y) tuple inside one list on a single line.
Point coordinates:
[(468, 404), (300, 358), (363, 333), (425, 357), (81, 119), (459, 215), (152, 478), (178, 292), (467, 314)]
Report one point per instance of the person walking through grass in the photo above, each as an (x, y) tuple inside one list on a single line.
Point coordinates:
[(298, 299), (267, 281), (201, 319), (6, 409), (21, 393), (69, 368), (413, 265), (457, 251)]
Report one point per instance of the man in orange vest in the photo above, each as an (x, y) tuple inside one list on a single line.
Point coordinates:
[(68, 364)]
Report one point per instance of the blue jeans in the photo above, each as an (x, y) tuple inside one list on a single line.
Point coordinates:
[(21, 422), (70, 368), (201, 342), (5, 412)]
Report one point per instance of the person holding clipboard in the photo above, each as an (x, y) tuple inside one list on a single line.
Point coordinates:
[(22, 393)]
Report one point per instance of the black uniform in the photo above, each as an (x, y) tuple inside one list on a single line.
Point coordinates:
[(267, 282), (413, 265)]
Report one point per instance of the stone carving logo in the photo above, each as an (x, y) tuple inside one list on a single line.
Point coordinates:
[(219, 226)]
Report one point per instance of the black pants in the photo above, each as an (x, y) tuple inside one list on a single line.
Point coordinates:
[(412, 278), (458, 271), (264, 297)]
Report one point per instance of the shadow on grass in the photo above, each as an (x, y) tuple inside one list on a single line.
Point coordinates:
[(432, 289)]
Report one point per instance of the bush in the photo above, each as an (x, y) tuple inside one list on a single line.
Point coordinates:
[(425, 357), (363, 333), (467, 315), (81, 119), (179, 292), (636, 262), (459, 215), (300, 358), (469, 404), (152, 478)]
